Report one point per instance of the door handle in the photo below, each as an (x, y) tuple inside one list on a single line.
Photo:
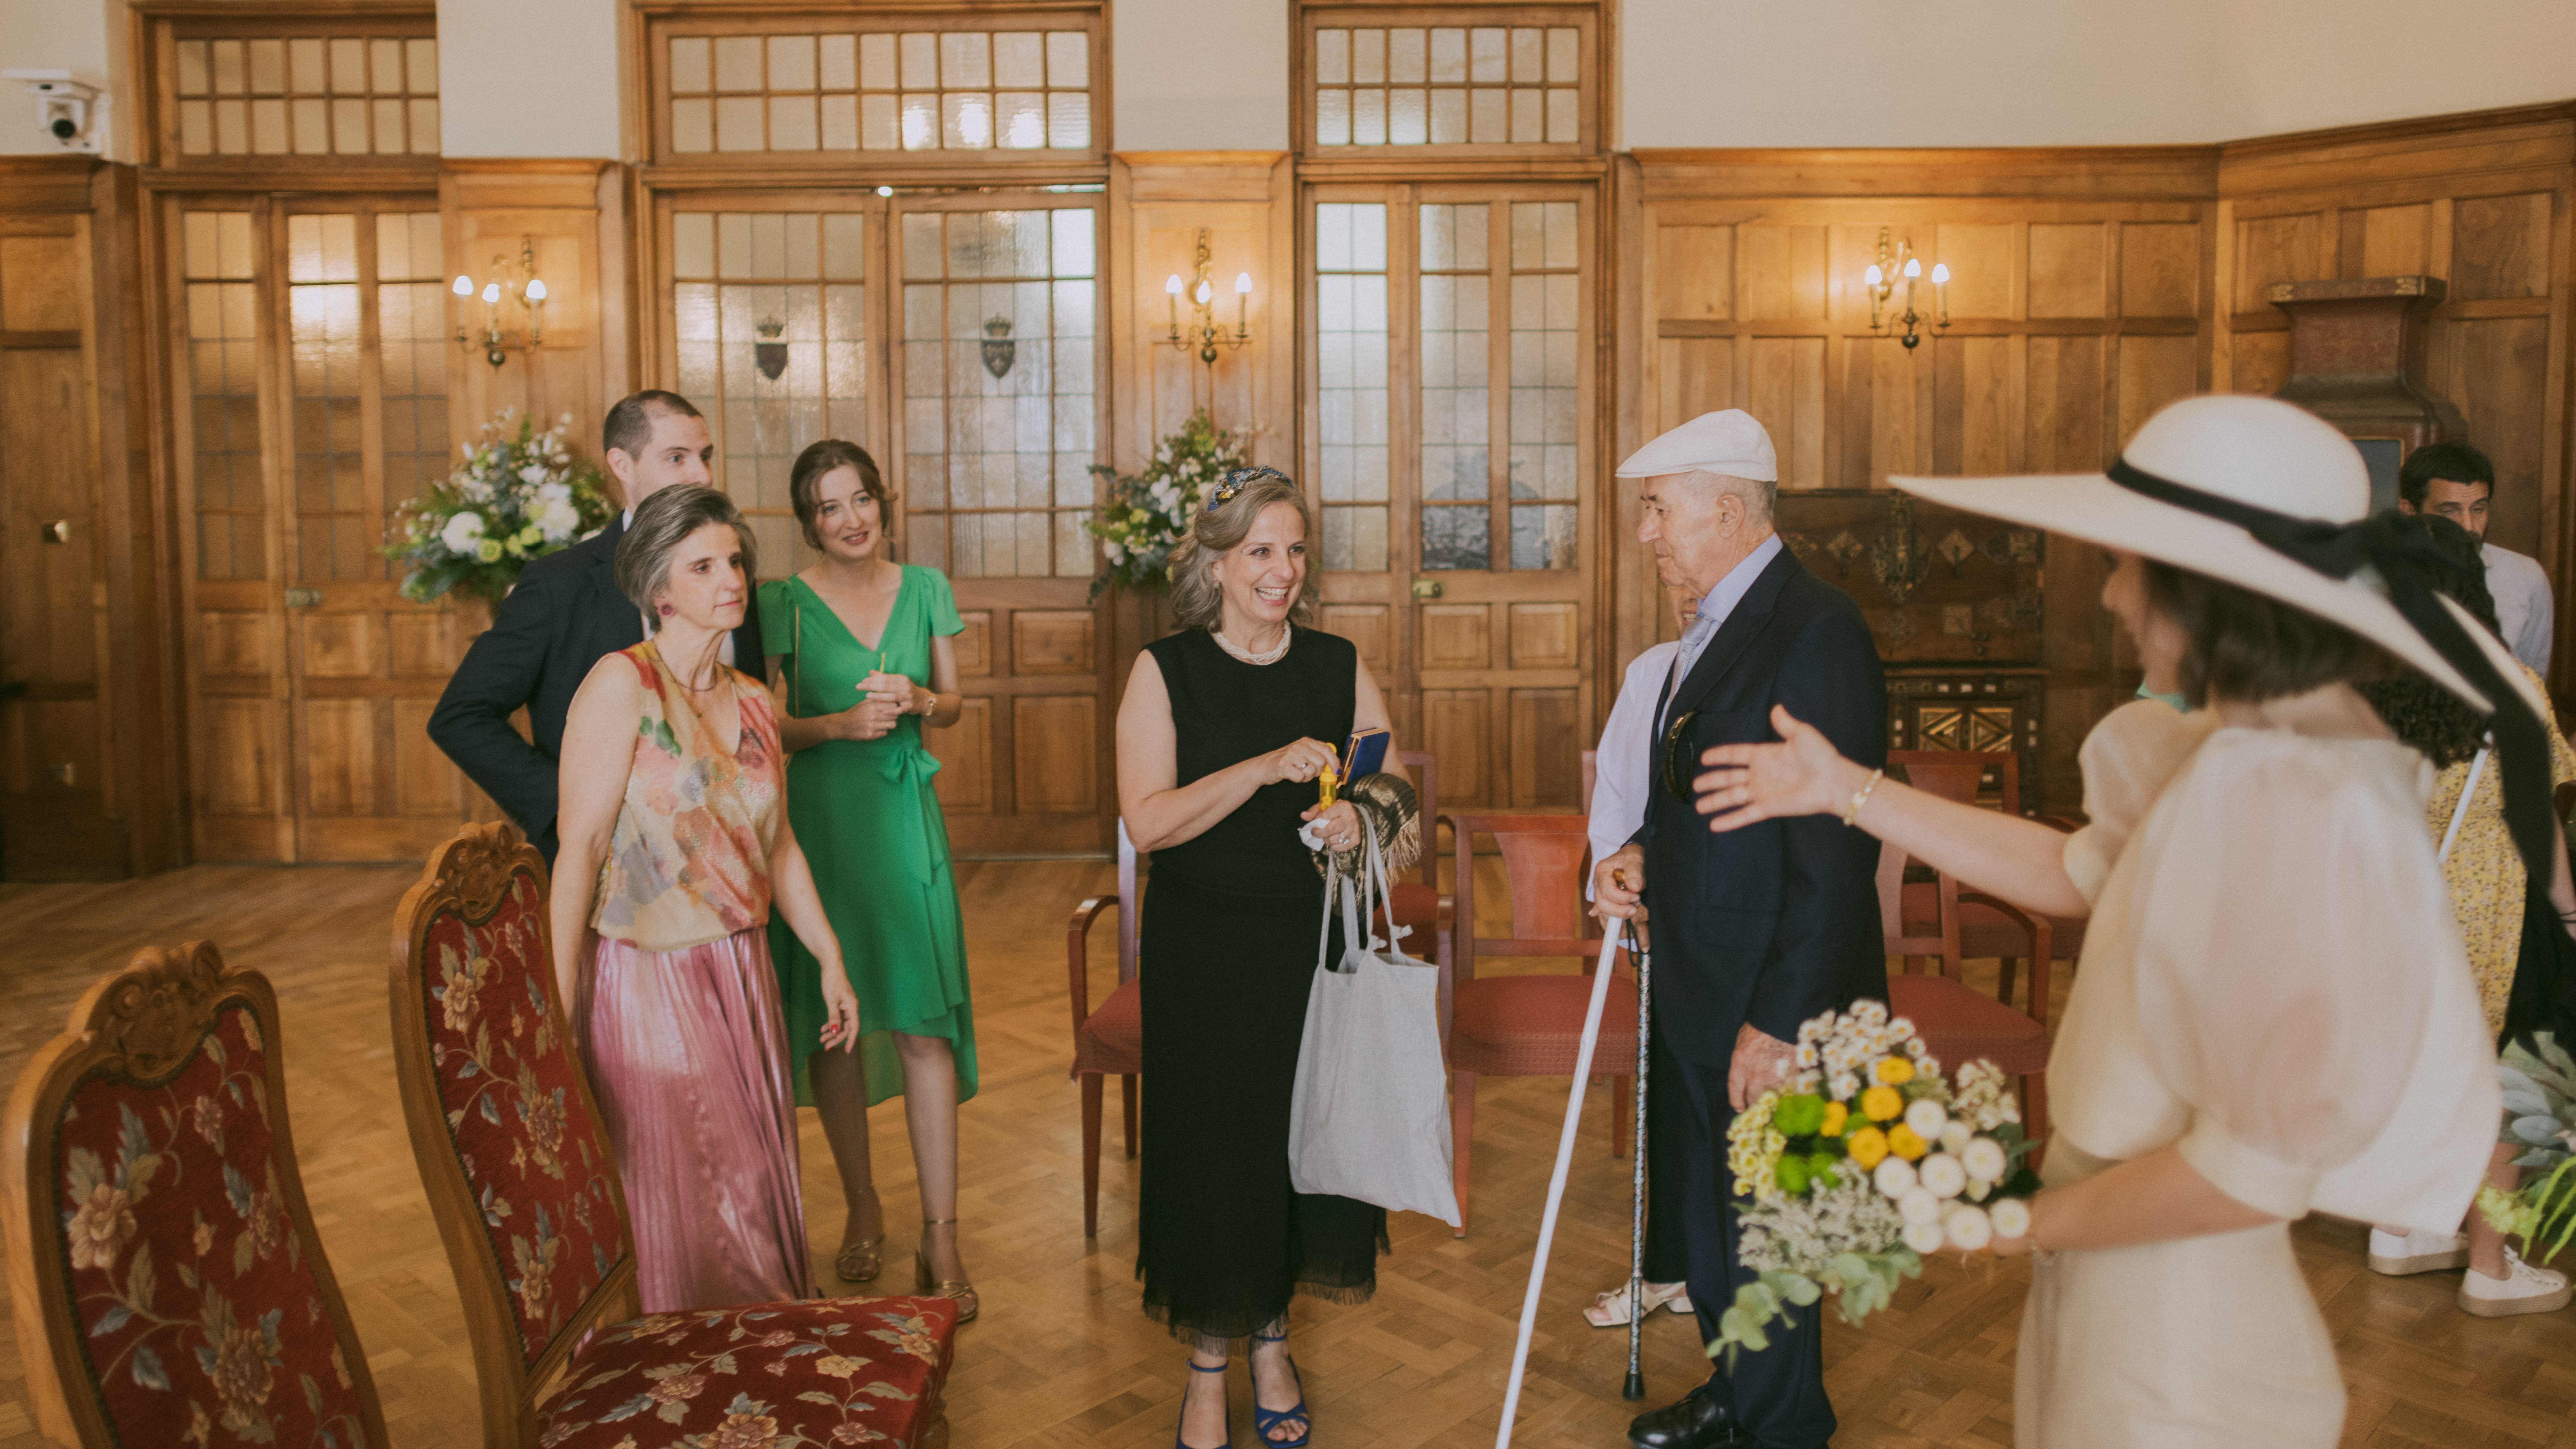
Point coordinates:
[(58, 531), (1429, 588)]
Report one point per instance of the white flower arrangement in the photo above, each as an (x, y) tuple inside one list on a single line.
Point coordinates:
[(1149, 513), (1861, 1163), (518, 495)]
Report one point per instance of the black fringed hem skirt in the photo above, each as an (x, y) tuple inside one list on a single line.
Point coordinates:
[(1222, 1240)]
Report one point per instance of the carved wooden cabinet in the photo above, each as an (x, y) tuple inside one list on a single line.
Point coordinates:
[(1978, 710)]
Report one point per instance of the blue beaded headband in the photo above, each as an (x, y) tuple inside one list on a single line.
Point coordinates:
[(1233, 483)]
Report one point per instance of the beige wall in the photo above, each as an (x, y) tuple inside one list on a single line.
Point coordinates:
[(71, 35), (2047, 73), (530, 78), (1198, 75)]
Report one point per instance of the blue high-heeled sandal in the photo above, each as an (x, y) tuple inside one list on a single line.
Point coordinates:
[(1180, 1443), (1265, 1420)]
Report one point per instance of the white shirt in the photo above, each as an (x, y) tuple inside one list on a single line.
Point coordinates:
[(1714, 609), (2526, 612), (1623, 764)]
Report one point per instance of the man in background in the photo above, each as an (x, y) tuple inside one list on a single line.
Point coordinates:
[(562, 617), (2457, 482)]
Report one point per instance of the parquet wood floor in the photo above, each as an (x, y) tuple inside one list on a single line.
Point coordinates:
[(1062, 1358)]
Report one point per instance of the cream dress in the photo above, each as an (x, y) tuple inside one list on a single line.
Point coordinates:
[(2272, 980)]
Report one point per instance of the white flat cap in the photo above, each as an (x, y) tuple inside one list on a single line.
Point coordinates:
[(1728, 442)]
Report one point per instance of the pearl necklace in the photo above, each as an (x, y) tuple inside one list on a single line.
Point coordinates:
[(1267, 656)]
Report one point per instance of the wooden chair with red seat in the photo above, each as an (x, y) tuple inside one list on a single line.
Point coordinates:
[(165, 1274), (1983, 931), (1527, 1026), (1110, 1041), (523, 1182), (1418, 906), (1957, 1023)]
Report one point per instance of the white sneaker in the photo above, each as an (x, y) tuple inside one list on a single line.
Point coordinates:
[(1610, 1310), (2522, 1289), (2416, 1252)]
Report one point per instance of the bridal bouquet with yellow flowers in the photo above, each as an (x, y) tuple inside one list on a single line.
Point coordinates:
[(1862, 1162)]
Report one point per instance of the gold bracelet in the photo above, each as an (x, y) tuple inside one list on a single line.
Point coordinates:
[(1860, 797)]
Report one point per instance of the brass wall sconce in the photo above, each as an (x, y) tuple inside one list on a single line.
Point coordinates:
[(1898, 263), (507, 287), (1203, 332)]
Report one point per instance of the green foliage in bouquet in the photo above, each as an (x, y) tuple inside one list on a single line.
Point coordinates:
[(1148, 513), (2540, 1118), (518, 495)]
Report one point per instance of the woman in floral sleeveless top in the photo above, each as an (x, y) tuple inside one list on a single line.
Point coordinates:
[(674, 847)]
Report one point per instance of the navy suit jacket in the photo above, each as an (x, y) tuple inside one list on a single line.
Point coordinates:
[(1777, 922), (564, 616)]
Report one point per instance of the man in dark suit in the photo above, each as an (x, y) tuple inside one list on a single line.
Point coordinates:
[(1757, 930), (563, 617)]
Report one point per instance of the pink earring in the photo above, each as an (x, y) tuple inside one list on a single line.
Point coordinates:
[(666, 611)]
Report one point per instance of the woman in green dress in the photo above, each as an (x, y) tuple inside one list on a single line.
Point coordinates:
[(861, 654)]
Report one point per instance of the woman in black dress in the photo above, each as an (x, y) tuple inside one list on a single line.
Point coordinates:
[(1224, 728)]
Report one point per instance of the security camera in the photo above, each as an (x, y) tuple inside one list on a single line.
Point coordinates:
[(73, 114)]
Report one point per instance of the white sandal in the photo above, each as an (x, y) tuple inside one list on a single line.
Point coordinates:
[(1610, 1310)]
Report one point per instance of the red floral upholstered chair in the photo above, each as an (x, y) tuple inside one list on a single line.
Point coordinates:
[(164, 1272), (524, 1186)]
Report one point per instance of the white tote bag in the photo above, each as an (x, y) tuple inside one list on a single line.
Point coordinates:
[(1370, 1116)]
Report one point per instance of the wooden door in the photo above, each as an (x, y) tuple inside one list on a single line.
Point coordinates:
[(956, 338), (54, 819), (1451, 380), (313, 364)]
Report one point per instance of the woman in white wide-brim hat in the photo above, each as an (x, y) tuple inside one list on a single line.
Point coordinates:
[(2273, 1013)]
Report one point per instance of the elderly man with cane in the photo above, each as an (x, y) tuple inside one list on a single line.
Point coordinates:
[(1760, 929)]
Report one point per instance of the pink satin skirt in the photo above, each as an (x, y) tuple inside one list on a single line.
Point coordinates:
[(688, 1055)]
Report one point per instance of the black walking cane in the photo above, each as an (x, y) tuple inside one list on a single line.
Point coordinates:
[(1635, 1387)]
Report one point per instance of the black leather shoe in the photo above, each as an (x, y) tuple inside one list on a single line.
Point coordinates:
[(1697, 1422)]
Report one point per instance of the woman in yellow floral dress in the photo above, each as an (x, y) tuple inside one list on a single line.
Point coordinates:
[(2487, 884)]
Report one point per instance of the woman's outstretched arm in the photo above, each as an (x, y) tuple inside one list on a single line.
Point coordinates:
[(2022, 861)]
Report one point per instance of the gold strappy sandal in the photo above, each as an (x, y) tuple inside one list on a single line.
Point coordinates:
[(861, 1262), (928, 1284)]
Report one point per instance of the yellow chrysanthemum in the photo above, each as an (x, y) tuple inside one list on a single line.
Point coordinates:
[(1836, 1114), (1867, 1147), (1895, 1071), (1902, 1141), (1882, 1104)]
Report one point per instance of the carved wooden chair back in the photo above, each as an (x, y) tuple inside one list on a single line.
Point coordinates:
[(510, 1144), (1960, 774), (163, 1266)]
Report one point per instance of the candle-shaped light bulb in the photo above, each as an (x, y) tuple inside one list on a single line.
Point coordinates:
[(464, 285), (1874, 277), (1172, 284), (1203, 293), (1242, 284), (1913, 268), (1940, 275), (491, 293), (1242, 304), (536, 290)]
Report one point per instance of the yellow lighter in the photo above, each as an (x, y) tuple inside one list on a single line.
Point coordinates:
[(1324, 786)]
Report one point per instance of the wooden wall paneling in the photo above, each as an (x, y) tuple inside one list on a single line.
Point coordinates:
[(1547, 748), (1366, 626), (1052, 768), (1053, 641), (92, 778), (489, 207), (975, 643), (965, 754), (2481, 200), (1456, 726)]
